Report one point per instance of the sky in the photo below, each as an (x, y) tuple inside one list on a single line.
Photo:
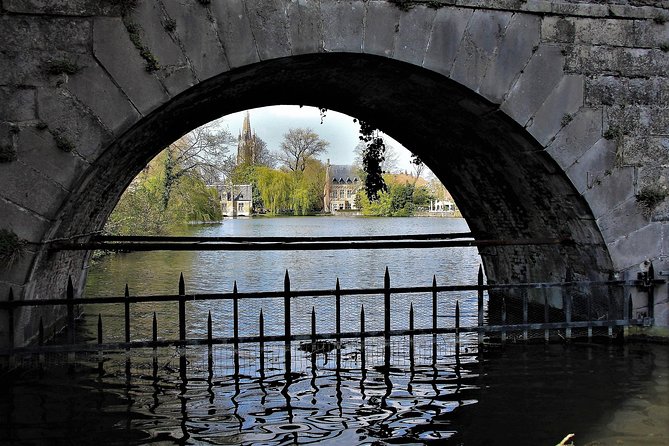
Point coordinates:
[(271, 123)]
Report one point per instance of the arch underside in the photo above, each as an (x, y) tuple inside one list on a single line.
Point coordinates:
[(505, 184)]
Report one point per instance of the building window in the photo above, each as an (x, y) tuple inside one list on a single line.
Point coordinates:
[(341, 193), (240, 207)]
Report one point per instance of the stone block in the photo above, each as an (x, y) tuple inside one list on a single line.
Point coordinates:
[(93, 87), (636, 247), (32, 45), (600, 31), (269, 24), (611, 191), (343, 25), (234, 31), (412, 40), (479, 43), (197, 35), (644, 151), (447, 31), (650, 34), (63, 7), (596, 163), (582, 131), (306, 34), (514, 50), (18, 272), (25, 224), (555, 29), (540, 76), (62, 114), (113, 48), (560, 105), (39, 149), (382, 27), (621, 220), (29, 189), (175, 72), (18, 104), (626, 62)]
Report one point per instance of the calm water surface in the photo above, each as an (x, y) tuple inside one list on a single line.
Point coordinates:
[(534, 395)]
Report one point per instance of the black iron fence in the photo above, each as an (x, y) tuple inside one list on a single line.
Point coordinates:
[(527, 319)]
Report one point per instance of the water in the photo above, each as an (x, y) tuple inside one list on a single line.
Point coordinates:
[(523, 395)]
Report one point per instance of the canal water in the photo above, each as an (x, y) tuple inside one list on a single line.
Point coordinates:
[(423, 394)]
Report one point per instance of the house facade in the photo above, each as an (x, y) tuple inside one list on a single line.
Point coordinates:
[(237, 200), (342, 183)]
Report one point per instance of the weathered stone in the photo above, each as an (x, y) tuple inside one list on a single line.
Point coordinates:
[(560, 106), (25, 224), (198, 37), (269, 24), (60, 112), (412, 41), (306, 34), (611, 191), (650, 34), (628, 62), (622, 220), (234, 30), (154, 33), (343, 25), (644, 151), (31, 190), (555, 29), (38, 148), (581, 132), (113, 48), (18, 104), (621, 91), (635, 248), (31, 45), (596, 163), (528, 94), (95, 90), (381, 28), (447, 31), (514, 50), (63, 7), (479, 43)]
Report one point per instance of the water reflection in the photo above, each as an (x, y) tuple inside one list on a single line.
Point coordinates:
[(525, 395)]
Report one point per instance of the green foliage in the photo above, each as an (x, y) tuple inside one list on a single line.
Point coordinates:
[(62, 66), (650, 196), (400, 200), (63, 143), (11, 247), (7, 153), (152, 204), (291, 192), (136, 39), (372, 160)]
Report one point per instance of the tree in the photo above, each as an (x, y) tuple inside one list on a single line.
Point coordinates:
[(203, 150), (390, 158), (372, 159), (299, 146)]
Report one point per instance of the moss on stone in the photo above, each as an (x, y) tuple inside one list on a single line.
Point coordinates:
[(406, 5), (63, 143), (7, 153), (566, 119), (650, 196), (170, 25), (665, 47), (136, 39), (11, 247), (62, 66)]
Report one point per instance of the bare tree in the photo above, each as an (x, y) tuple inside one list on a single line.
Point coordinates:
[(204, 150), (299, 146)]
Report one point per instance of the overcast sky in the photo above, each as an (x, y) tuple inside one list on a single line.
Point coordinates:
[(271, 123)]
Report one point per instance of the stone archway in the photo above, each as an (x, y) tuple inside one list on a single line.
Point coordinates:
[(509, 107)]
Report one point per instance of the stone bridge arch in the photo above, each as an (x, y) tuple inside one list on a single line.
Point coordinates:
[(544, 119)]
